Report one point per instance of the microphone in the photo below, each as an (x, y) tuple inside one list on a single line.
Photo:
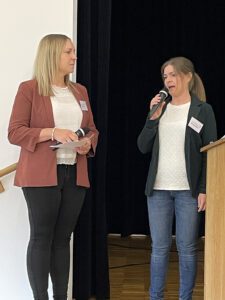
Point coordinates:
[(163, 95), (81, 132)]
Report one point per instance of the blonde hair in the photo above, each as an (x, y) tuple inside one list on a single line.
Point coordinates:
[(184, 66), (46, 65)]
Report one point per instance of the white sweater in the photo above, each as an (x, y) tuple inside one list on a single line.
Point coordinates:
[(67, 115), (171, 173)]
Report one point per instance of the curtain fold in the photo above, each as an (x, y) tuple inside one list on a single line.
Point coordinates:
[(91, 276), (121, 47)]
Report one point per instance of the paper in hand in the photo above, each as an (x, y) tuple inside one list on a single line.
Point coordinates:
[(70, 145)]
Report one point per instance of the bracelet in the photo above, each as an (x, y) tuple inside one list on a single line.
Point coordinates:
[(52, 135)]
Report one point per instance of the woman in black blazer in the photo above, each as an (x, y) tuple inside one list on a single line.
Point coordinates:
[(176, 181)]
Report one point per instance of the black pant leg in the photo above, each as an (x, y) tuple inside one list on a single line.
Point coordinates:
[(71, 204), (43, 204)]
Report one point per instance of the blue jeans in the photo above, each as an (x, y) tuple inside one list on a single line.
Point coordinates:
[(161, 208)]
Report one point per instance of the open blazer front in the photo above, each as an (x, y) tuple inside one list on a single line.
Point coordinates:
[(31, 113), (148, 141)]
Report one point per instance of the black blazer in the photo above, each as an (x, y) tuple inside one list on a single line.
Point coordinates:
[(148, 141)]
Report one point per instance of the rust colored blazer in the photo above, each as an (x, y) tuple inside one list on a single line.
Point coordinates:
[(30, 114)]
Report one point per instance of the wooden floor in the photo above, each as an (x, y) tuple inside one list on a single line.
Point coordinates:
[(129, 269)]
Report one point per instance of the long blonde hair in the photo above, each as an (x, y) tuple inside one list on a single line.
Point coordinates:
[(185, 66), (46, 65)]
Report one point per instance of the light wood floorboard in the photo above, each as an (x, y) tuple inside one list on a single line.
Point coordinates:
[(129, 269)]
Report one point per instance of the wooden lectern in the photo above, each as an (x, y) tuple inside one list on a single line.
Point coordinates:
[(214, 266)]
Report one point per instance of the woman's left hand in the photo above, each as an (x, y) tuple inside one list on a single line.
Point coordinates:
[(84, 149), (201, 202)]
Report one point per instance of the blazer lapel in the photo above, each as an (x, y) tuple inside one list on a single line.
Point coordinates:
[(195, 108), (80, 97), (77, 93), (48, 107)]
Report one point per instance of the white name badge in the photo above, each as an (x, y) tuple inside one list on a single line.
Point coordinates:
[(83, 105), (195, 124)]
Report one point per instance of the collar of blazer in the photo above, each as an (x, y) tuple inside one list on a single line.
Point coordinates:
[(195, 107)]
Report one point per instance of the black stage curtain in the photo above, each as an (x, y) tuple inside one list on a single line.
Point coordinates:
[(91, 276), (143, 35), (121, 46)]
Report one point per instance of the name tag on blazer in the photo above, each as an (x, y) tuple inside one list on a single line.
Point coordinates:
[(195, 124), (83, 105)]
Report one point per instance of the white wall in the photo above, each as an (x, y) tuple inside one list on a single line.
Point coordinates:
[(22, 24)]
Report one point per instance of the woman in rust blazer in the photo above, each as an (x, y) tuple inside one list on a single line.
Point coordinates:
[(51, 109)]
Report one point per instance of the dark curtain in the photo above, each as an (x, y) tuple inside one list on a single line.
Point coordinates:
[(144, 34), (91, 276), (121, 47)]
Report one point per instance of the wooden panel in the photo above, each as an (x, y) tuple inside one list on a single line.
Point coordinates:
[(212, 145), (215, 225)]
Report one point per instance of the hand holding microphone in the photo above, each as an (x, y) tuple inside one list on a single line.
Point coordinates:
[(63, 136), (157, 103)]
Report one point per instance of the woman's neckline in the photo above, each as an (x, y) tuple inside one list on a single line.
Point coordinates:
[(181, 103), (59, 87)]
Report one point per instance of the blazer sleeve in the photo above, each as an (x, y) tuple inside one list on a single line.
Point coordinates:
[(209, 134), (19, 131), (93, 133), (146, 138)]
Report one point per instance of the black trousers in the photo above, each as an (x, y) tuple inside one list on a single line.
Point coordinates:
[(53, 214)]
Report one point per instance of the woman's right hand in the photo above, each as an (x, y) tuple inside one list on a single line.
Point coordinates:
[(153, 102), (64, 135)]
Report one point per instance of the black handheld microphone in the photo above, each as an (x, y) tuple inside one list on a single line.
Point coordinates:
[(163, 95), (81, 132)]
